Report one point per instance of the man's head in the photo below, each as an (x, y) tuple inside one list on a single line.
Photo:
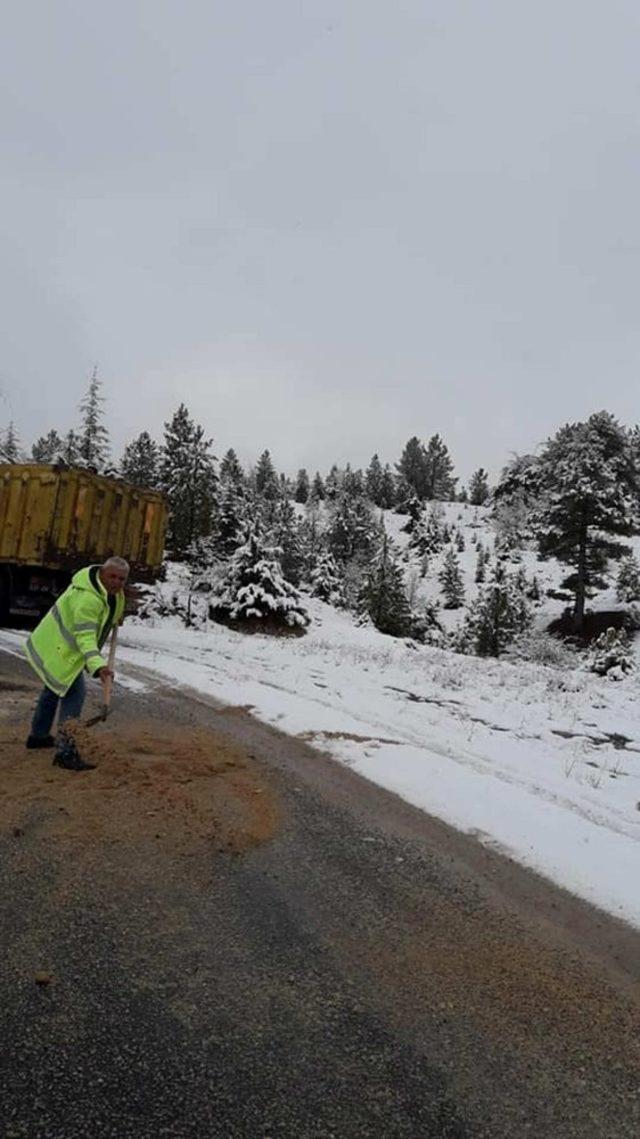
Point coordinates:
[(113, 574)]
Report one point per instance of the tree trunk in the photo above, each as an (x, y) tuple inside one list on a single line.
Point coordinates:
[(581, 584)]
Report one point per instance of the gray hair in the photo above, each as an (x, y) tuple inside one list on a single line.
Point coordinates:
[(117, 563)]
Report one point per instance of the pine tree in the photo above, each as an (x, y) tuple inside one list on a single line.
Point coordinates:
[(48, 448), (303, 488), (310, 536), (373, 481), (497, 615), (412, 468), (285, 535), (628, 580), (141, 462), (231, 470), (514, 499), (463, 495), (188, 477), (352, 531), (332, 484), (460, 542), (70, 450), (231, 518), (451, 581), (439, 480), (317, 488), (384, 597), (428, 537), (10, 449), (388, 494), (267, 482), (610, 655), (416, 513), (479, 487), (93, 436), (480, 574), (353, 482), (588, 488), (254, 589), (325, 580)]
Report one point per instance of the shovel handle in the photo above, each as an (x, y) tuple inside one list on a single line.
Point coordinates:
[(108, 684)]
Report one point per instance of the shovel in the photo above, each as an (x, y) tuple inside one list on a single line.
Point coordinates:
[(107, 684)]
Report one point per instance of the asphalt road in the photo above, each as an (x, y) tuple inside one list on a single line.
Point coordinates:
[(365, 971)]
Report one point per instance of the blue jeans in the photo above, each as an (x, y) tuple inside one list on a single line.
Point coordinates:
[(47, 706)]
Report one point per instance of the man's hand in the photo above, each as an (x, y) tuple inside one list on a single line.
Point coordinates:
[(103, 674)]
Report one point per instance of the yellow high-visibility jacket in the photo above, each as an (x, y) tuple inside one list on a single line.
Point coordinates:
[(70, 636)]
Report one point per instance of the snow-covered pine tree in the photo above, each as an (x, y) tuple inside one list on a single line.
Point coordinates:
[(231, 518), (440, 482), (10, 449), (388, 494), (352, 531), (284, 534), (230, 469), (515, 496), (463, 495), (412, 468), (495, 617), (310, 536), (48, 448), (590, 484), (140, 463), (266, 479), (460, 542), (480, 571), (93, 445), (188, 477), (628, 579), (253, 589), (384, 597), (415, 511), (332, 484), (70, 450), (317, 487), (451, 581), (353, 483), (373, 480), (479, 487), (428, 537), (610, 655), (326, 580), (303, 488)]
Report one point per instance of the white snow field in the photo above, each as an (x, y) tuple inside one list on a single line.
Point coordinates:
[(541, 763), (522, 756)]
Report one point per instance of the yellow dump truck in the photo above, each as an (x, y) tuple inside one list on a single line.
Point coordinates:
[(56, 519)]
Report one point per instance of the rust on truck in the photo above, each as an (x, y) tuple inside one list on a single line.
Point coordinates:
[(62, 518)]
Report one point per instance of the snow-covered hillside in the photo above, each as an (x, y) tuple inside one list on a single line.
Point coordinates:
[(541, 762)]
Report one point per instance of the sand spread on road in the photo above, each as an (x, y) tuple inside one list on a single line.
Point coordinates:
[(183, 788)]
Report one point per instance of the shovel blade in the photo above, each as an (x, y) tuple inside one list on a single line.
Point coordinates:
[(101, 716)]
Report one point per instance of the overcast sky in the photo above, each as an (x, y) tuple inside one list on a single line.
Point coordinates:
[(326, 225)]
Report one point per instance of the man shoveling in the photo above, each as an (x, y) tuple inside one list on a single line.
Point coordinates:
[(68, 640)]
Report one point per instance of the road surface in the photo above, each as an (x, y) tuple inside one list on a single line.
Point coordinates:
[(311, 958)]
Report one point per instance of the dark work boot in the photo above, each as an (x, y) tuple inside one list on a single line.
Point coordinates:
[(40, 741), (69, 757)]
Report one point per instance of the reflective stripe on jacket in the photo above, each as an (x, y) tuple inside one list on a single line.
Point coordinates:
[(69, 637)]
